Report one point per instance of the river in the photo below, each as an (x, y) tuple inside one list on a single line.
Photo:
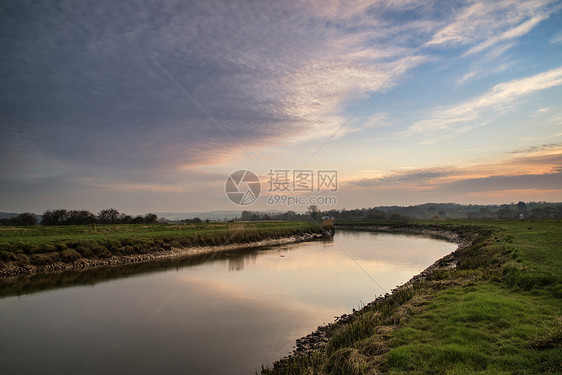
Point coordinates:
[(226, 313)]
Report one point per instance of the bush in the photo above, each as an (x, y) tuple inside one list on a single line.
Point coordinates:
[(84, 251), (69, 255), (40, 259), (7, 256), (101, 252)]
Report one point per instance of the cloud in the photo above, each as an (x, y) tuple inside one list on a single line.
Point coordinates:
[(492, 62), (538, 148), (483, 24), (406, 178), (454, 118), (81, 97), (549, 181), (513, 33), (537, 167), (556, 39), (81, 89)]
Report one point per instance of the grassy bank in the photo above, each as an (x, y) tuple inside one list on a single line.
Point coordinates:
[(499, 311), (43, 245)]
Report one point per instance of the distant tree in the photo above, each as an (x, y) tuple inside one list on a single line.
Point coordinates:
[(522, 206), (507, 213), (125, 219), (137, 220), (542, 213), (485, 212), (108, 216), (55, 217), (25, 219), (80, 217), (291, 215), (196, 220), (313, 212), (397, 216), (374, 214), (150, 218)]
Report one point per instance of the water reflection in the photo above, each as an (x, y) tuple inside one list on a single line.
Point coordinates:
[(224, 314), (234, 260)]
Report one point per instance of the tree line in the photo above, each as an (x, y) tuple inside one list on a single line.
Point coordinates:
[(79, 217), (530, 210)]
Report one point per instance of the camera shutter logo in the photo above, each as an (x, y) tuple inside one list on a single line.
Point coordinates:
[(242, 187)]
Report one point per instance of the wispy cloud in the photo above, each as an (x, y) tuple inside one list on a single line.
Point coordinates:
[(556, 39), (483, 24), (492, 62), (539, 148), (454, 119), (513, 33)]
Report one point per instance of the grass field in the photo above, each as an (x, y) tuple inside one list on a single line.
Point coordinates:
[(498, 312), (40, 245)]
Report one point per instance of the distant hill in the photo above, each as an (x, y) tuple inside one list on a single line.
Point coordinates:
[(529, 210), (9, 215)]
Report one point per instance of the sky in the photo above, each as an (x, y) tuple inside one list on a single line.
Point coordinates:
[(149, 106)]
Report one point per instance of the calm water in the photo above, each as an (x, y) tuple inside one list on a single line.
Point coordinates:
[(224, 315)]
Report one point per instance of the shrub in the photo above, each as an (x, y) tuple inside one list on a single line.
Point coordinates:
[(69, 255), (7, 256), (40, 259)]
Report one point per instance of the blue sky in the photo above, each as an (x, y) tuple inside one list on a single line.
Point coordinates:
[(150, 105)]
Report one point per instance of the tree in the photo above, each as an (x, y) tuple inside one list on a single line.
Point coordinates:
[(55, 217), (485, 212), (506, 213), (108, 216), (313, 212), (150, 218), (125, 219), (375, 214), (137, 220), (521, 206), (25, 219), (80, 217)]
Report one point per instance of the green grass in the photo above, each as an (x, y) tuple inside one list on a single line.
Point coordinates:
[(42, 245), (483, 328), (499, 312)]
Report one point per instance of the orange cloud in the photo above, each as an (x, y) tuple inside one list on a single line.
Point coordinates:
[(535, 169)]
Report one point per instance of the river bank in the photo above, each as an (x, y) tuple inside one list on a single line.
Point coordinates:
[(80, 254), (483, 286)]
